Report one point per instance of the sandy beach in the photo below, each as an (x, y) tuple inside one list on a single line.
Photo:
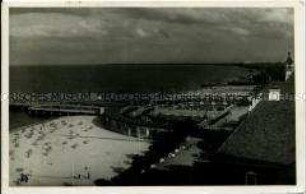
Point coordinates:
[(69, 151)]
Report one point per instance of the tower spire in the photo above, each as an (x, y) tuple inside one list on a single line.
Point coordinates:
[(289, 66)]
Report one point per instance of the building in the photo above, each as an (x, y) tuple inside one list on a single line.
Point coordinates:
[(289, 69), (262, 148)]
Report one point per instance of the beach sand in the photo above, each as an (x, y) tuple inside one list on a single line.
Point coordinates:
[(69, 151)]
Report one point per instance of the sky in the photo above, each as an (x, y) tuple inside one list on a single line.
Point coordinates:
[(75, 36)]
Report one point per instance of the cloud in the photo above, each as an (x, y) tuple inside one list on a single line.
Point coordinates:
[(54, 25), (236, 30), (278, 16), (212, 15), (141, 32), (161, 35)]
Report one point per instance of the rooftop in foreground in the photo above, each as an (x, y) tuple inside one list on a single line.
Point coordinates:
[(267, 134)]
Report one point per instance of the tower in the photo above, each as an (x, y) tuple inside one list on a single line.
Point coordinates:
[(289, 66)]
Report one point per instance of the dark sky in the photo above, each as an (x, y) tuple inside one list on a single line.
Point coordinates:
[(149, 35)]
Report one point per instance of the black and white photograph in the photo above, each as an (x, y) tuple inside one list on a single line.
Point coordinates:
[(152, 96)]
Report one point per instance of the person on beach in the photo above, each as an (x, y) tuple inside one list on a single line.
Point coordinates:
[(23, 178)]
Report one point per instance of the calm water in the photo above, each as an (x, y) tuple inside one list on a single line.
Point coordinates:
[(101, 78), (113, 78), (19, 119)]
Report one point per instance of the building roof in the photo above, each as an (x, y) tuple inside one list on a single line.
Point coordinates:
[(267, 134)]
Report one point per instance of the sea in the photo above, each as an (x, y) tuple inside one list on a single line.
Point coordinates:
[(114, 78), (119, 78)]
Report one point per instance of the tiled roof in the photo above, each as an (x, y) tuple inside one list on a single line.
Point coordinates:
[(267, 134)]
